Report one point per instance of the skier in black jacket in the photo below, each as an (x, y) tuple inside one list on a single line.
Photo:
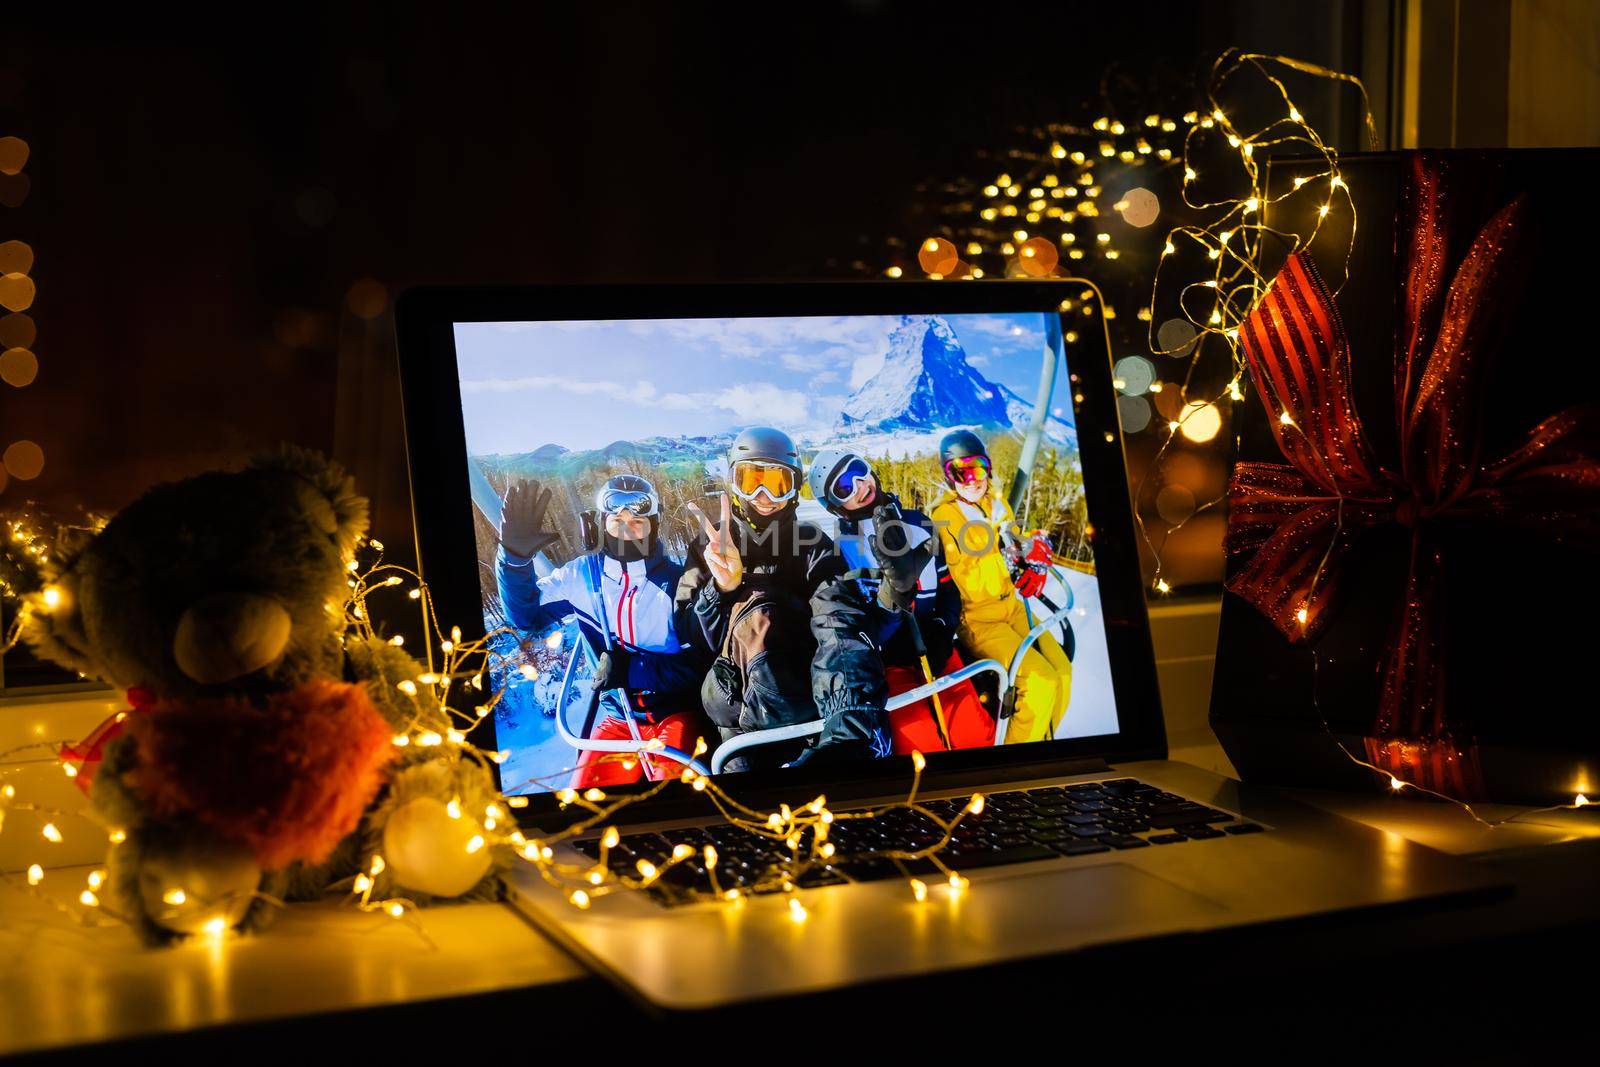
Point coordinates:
[(915, 644), (765, 593)]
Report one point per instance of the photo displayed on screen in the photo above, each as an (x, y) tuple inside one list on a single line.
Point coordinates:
[(753, 543)]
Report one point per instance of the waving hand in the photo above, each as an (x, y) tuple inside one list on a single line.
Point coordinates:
[(522, 519)]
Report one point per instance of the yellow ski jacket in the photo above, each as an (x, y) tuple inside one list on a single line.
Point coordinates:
[(970, 534)]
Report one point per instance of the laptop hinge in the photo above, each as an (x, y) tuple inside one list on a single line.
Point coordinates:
[(689, 805)]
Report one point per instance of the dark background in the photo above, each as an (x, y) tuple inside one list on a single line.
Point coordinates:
[(210, 208)]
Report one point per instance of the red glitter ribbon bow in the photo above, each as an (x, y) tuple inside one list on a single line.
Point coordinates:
[(1292, 526)]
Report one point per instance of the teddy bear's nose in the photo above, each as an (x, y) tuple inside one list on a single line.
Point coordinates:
[(224, 636)]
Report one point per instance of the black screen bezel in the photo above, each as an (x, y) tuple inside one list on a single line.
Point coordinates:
[(447, 548)]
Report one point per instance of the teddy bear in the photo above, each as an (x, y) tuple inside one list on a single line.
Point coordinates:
[(266, 754)]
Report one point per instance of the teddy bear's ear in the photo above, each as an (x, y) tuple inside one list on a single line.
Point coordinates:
[(349, 507), (70, 543)]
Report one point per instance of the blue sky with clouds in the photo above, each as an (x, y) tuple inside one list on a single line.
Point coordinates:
[(586, 384)]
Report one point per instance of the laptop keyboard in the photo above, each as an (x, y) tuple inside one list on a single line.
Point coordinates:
[(1016, 827)]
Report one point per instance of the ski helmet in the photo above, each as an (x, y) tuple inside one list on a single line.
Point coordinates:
[(628, 492), (959, 444), (827, 468), (764, 446), (623, 492)]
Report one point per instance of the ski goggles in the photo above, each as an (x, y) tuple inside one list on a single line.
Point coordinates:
[(967, 469), (844, 482), (642, 504), (751, 477)]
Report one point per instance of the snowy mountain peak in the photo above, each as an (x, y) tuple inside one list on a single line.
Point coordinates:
[(925, 382)]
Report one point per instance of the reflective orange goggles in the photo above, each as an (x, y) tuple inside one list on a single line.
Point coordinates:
[(775, 480), (967, 469)]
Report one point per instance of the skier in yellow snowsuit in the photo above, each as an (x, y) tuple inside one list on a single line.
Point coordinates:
[(974, 522)]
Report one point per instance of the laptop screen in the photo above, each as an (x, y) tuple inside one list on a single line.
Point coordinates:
[(753, 543)]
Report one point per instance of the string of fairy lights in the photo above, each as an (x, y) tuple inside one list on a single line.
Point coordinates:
[(1234, 238), (1232, 232), (801, 833), (1064, 193), (1070, 198)]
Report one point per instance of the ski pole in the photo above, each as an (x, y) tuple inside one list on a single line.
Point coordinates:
[(596, 572), (910, 616)]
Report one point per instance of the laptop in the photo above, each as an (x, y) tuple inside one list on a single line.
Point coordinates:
[(1088, 835)]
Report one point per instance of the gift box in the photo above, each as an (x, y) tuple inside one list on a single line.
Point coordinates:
[(1414, 515)]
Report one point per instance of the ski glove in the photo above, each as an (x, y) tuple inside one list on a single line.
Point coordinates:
[(611, 669), (522, 520), (1034, 566), (901, 563), (1030, 583)]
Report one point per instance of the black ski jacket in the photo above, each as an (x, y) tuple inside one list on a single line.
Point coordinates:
[(798, 558), (938, 603)]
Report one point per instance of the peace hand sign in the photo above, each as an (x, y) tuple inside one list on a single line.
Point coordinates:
[(722, 555)]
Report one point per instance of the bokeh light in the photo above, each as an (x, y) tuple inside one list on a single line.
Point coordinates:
[(1200, 421), (1175, 503), (17, 331), (1176, 338), (18, 367), (938, 256), (1133, 412), (300, 328), (16, 292), (23, 460), (13, 155), (1037, 256), (1169, 402), (1132, 375), (367, 299), (1140, 207), (15, 257)]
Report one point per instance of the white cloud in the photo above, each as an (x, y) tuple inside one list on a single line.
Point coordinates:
[(825, 410), (992, 326), (761, 402), (755, 402), (848, 336), (864, 368), (568, 325), (682, 401), (640, 391)]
